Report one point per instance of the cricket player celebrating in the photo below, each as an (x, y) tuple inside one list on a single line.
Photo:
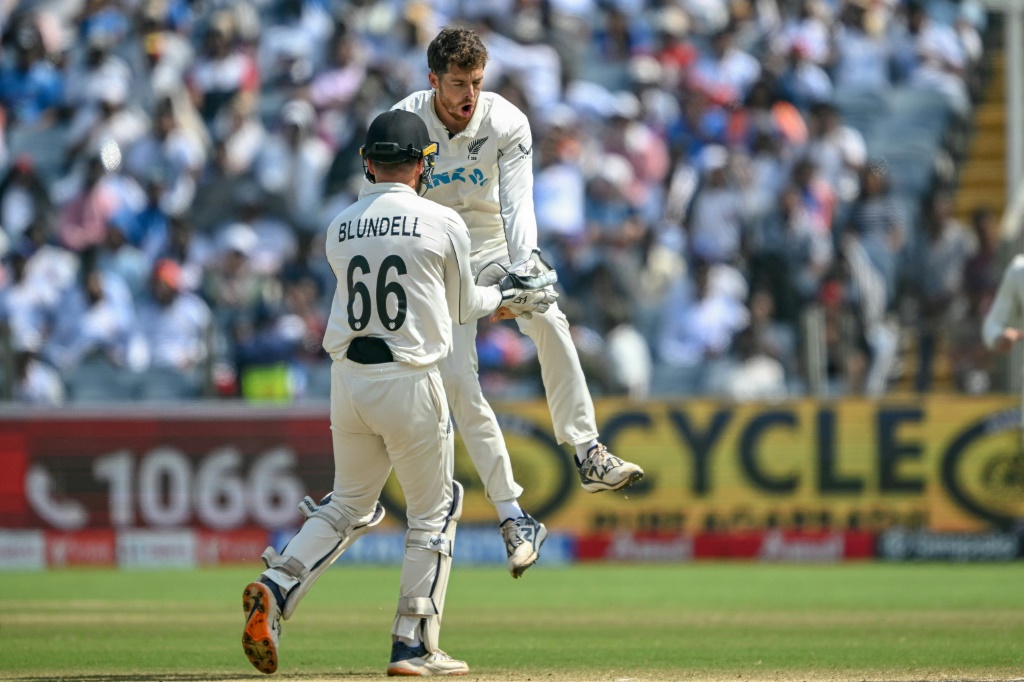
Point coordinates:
[(402, 264), (485, 172)]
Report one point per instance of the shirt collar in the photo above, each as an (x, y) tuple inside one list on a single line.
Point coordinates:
[(388, 188)]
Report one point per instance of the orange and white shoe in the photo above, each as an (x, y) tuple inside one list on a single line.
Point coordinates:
[(407, 661), (262, 627)]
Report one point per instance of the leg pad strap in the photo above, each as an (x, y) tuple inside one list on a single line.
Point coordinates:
[(432, 542), (417, 606)]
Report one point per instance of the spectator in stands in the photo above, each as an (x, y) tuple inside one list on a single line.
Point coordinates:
[(804, 82), (294, 162), (173, 150), (943, 257), (276, 240), (702, 123), (31, 88), (973, 364), (790, 256), (4, 153), (838, 150), (50, 268), (175, 325), (223, 70), (871, 359), (674, 50), (614, 223), (807, 32), (95, 319), (24, 304), (291, 48), (231, 285), (727, 72), (982, 271), (700, 320), (646, 152), (107, 122), (190, 251), (83, 220), (619, 36), (628, 356), (36, 382), (762, 174), (817, 197), (717, 218), (308, 264), (118, 257), (862, 54), (166, 56), (559, 190), (241, 134), (765, 113), (24, 199), (333, 91), (757, 374), (878, 224), (930, 55), (90, 78)]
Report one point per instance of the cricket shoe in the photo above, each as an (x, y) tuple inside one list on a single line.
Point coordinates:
[(523, 538), (262, 627), (417, 662), (602, 470)]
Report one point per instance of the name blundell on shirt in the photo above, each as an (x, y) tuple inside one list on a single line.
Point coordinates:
[(396, 226)]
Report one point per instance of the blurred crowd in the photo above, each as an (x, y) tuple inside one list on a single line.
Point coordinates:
[(713, 181)]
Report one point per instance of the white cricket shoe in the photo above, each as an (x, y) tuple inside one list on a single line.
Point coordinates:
[(262, 627), (417, 662), (602, 470), (523, 538)]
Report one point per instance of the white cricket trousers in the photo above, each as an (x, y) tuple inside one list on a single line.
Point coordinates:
[(391, 415), (572, 410)]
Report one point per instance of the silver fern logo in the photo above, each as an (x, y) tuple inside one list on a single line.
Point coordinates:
[(475, 146)]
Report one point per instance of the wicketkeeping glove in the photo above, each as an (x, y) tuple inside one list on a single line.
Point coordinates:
[(525, 295)]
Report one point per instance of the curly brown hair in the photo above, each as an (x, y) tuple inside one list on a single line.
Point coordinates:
[(455, 46)]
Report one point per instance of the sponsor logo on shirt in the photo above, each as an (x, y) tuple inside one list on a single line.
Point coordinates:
[(459, 175)]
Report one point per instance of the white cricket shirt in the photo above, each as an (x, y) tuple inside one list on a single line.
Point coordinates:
[(402, 264), (485, 173)]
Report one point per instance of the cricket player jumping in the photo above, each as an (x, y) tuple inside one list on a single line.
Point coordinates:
[(402, 264), (485, 172)]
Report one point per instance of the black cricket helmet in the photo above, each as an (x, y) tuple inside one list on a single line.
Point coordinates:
[(397, 136)]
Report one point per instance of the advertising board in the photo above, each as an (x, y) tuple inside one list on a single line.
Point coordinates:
[(939, 464)]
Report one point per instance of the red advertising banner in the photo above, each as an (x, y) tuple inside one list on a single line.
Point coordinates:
[(81, 548), (772, 545), (190, 469), (786, 546)]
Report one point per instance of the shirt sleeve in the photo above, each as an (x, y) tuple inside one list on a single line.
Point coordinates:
[(515, 188), (466, 300), (1006, 307)]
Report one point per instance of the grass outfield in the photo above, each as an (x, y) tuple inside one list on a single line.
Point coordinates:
[(694, 622)]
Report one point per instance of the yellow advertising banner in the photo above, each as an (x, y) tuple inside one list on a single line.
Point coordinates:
[(943, 463)]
